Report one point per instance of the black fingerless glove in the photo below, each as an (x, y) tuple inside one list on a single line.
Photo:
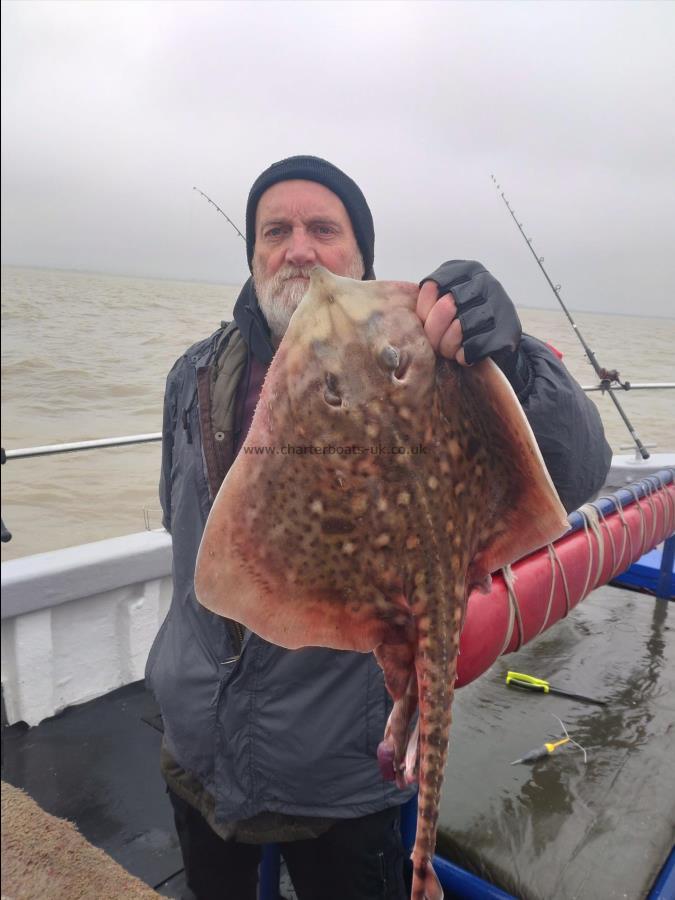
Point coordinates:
[(490, 323)]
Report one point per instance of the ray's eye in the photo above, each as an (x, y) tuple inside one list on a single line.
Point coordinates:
[(395, 361), (390, 357), (331, 393)]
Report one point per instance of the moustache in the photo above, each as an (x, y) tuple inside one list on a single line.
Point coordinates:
[(288, 273)]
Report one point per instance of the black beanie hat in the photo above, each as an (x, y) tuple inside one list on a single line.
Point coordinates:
[(312, 168)]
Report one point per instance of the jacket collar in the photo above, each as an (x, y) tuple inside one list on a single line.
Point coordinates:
[(251, 323)]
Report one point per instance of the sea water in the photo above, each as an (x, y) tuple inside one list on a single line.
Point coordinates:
[(86, 356)]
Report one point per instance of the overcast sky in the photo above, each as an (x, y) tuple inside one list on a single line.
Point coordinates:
[(112, 111)]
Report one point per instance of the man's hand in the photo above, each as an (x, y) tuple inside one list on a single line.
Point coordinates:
[(441, 325), (467, 314)]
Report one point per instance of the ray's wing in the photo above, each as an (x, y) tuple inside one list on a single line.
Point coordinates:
[(523, 511), (291, 550), (295, 548)]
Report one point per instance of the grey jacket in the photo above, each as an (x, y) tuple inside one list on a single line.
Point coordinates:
[(259, 728)]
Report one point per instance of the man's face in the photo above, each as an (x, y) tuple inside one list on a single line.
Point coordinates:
[(299, 224)]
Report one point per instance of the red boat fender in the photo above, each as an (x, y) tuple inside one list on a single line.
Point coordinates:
[(547, 584), (555, 350)]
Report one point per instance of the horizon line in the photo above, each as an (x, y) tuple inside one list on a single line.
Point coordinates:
[(238, 285)]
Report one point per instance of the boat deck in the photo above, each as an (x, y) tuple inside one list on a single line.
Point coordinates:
[(562, 827), (524, 827), (97, 764)]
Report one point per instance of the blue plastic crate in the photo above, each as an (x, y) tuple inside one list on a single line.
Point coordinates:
[(646, 574)]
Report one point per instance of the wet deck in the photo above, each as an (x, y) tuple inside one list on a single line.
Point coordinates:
[(97, 765), (524, 827), (562, 827)]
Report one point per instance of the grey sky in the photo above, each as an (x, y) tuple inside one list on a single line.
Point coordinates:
[(112, 111)]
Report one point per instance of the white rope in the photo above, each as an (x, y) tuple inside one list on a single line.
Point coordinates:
[(591, 518), (514, 610), (671, 503), (669, 497), (568, 603), (627, 536), (551, 593), (611, 538), (650, 490), (626, 531), (643, 530), (663, 497)]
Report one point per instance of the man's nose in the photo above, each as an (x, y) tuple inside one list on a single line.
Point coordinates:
[(301, 250)]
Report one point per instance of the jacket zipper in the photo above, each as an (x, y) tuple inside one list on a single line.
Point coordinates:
[(185, 421), (237, 630), (185, 417)]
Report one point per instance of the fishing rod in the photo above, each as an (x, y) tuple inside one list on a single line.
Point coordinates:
[(606, 376), (206, 197)]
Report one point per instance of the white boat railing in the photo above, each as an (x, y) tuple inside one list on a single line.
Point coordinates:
[(79, 622), (50, 449), (653, 386)]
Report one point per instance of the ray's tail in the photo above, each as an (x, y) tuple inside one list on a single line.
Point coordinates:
[(436, 666)]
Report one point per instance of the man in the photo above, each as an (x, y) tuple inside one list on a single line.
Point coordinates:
[(264, 744)]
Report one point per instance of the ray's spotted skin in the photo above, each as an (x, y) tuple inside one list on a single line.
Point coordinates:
[(377, 484)]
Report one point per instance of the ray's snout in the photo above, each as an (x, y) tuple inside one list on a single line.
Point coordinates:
[(322, 284), (320, 274)]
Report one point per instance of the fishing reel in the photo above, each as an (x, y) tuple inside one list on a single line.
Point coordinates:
[(609, 377)]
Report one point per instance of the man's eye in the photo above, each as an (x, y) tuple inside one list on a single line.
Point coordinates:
[(325, 230), (275, 232)]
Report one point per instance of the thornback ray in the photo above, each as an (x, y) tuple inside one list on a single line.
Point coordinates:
[(377, 484)]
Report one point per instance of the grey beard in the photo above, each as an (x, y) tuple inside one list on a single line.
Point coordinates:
[(279, 297)]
